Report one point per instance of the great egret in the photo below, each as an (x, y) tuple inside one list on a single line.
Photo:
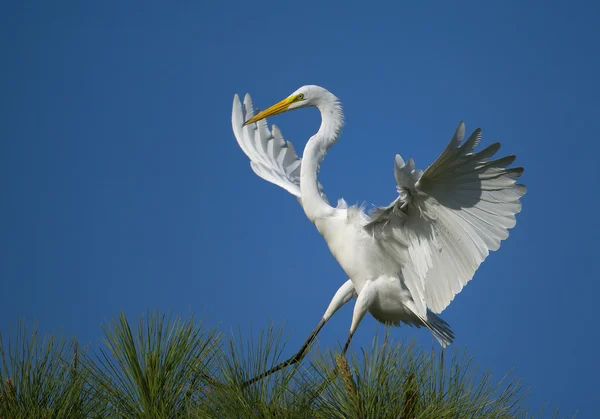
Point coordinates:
[(405, 261)]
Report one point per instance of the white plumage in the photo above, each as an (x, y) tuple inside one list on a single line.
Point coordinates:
[(408, 260), (271, 157)]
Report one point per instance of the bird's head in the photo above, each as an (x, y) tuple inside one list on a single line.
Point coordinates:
[(303, 97)]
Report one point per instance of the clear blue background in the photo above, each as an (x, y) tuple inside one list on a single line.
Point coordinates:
[(122, 186)]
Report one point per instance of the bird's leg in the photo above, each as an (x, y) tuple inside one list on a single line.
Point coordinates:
[(363, 303), (341, 297), (365, 300)]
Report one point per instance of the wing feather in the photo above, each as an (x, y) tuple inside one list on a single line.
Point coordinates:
[(271, 157), (448, 218)]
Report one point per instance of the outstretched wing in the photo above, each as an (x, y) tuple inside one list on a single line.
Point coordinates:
[(446, 220), (271, 157)]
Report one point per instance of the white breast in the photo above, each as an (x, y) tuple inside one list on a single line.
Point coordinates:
[(354, 249)]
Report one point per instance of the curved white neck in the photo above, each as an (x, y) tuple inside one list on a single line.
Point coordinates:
[(332, 120)]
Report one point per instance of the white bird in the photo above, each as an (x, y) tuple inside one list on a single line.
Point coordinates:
[(405, 261)]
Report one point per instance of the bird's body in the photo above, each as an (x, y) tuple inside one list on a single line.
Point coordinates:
[(362, 260), (409, 259)]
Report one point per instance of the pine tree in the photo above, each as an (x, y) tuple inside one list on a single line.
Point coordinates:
[(168, 367)]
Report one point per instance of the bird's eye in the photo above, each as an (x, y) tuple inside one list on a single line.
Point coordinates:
[(300, 96)]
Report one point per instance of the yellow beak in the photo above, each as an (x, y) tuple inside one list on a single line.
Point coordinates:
[(273, 110)]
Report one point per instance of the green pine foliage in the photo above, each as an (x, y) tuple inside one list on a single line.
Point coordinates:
[(157, 370), (168, 367), (41, 377)]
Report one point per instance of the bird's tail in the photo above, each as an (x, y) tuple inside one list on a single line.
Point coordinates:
[(439, 328)]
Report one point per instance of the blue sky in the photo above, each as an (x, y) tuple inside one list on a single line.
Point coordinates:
[(123, 187)]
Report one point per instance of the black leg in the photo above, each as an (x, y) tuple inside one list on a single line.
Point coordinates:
[(341, 297), (347, 344), (293, 360)]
